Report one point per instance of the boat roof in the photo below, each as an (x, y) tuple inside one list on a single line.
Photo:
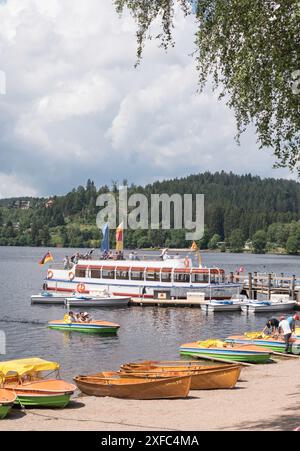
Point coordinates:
[(25, 366)]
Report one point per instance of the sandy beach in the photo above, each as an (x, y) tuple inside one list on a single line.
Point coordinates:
[(265, 398)]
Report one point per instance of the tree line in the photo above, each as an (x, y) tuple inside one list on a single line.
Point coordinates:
[(241, 212)]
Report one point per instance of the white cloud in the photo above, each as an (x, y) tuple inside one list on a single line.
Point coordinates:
[(76, 107), (12, 186)]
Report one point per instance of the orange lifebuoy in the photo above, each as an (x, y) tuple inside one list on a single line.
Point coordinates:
[(81, 288), (71, 275), (49, 275)]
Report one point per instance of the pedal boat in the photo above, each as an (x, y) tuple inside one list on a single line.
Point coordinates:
[(226, 351), (25, 378), (94, 327), (113, 385), (270, 343), (7, 400)]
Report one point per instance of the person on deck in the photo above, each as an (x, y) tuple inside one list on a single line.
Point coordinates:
[(272, 326), (292, 322), (286, 331)]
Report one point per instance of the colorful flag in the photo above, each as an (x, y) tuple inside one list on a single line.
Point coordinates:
[(119, 238), (194, 247), (47, 258), (105, 239)]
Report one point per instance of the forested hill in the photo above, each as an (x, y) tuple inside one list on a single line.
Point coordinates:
[(237, 209)]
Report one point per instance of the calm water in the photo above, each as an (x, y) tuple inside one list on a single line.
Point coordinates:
[(148, 332)]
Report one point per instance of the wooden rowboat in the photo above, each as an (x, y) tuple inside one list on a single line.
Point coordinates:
[(112, 385), (95, 327), (7, 400), (225, 351), (180, 365), (210, 379)]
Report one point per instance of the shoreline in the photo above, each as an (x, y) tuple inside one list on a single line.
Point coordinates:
[(265, 398)]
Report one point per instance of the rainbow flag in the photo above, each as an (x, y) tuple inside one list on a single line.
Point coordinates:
[(119, 238), (47, 258)]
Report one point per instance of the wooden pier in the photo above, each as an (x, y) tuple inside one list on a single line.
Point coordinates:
[(268, 284)]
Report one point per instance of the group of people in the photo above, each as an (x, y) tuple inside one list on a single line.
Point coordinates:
[(81, 317), (109, 255), (284, 327), (70, 261)]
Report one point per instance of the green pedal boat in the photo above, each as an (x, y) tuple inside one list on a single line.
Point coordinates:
[(7, 400), (26, 380), (94, 327)]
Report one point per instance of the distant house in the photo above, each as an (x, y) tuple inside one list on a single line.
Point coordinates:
[(49, 203), (21, 204), (248, 246)]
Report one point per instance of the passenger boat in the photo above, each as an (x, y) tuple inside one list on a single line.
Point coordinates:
[(94, 327), (226, 351), (273, 344), (25, 378), (141, 279), (253, 306), (211, 378), (97, 301), (7, 400), (115, 386), (221, 306)]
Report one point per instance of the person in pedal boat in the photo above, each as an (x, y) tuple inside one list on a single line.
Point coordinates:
[(286, 331), (271, 327), (70, 318), (84, 317)]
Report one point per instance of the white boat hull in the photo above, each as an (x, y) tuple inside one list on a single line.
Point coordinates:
[(276, 307), (220, 308), (111, 301)]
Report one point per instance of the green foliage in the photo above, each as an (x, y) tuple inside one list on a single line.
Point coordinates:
[(251, 51), (213, 242), (237, 240), (259, 242)]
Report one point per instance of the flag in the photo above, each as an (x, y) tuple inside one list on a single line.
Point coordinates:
[(119, 238), (105, 239), (47, 258), (194, 247)]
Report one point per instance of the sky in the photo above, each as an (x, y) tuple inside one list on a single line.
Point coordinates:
[(76, 107)]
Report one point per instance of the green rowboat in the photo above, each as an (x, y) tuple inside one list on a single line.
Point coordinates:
[(95, 327)]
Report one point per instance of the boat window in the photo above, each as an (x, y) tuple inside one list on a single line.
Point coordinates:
[(108, 274), (137, 275), (152, 275), (166, 276), (181, 277), (122, 275), (95, 274), (79, 272), (200, 278)]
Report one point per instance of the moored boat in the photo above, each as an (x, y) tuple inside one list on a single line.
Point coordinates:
[(271, 343), (112, 385), (97, 301), (226, 351), (7, 400), (205, 379), (46, 298), (25, 378), (253, 306), (94, 327), (221, 306)]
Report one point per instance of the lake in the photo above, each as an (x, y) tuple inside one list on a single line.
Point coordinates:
[(145, 333)]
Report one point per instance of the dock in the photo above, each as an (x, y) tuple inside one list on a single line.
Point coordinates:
[(267, 284)]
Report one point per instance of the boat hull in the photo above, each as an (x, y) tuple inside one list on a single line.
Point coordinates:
[(95, 327), (113, 301), (7, 400), (210, 379), (135, 388), (238, 354), (220, 308), (276, 307)]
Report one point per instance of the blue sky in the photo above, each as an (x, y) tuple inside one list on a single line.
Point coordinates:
[(76, 108)]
